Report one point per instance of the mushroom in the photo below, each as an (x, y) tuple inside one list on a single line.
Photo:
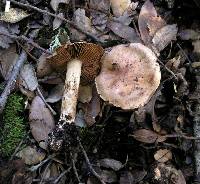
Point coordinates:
[(129, 76), (81, 60)]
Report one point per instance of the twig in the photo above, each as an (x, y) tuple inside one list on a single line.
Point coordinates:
[(44, 172), (35, 167), (27, 52), (71, 23), (42, 97), (181, 136), (12, 80), (61, 175), (75, 170), (184, 53), (89, 164), (28, 40)]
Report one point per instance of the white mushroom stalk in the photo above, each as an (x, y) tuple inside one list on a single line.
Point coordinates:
[(70, 95)]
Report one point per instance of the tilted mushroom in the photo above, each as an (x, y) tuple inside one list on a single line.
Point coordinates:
[(81, 60), (129, 76)]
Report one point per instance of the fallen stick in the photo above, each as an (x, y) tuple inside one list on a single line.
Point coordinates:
[(12, 80)]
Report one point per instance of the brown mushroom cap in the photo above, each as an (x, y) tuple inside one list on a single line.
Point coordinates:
[(129, 76), (89, 53)]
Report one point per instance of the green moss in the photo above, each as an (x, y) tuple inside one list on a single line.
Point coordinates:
[(14, 128)]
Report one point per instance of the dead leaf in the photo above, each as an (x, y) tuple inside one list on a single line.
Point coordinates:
[(41, 120), (82, 21), (14, 15), (108, 176), (164, 36), (31, 156), (148, 136), (5, 28), (174, 63), (85, 93), (55, 3), (28, 77), (132, 177), (111, 164), (123, 31), (93, 108), (119, 6), (43, 67), (163, 155), (168, 174), (57, 22), (99, 19), (56, 94), (79, 120), (149, 22), (8, 58)]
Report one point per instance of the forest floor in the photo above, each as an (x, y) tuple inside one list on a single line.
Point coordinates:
[(155, 141)]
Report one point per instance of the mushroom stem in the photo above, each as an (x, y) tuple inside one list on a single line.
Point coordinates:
[(70, 95)]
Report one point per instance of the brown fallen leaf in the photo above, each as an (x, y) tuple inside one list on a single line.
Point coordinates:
[(41, 120), (149, 22), (28, 77), (163, 155), (148, 136), (82, 21), (164, 36), (111, 163), (31, 156), (14, 15), (92, 108), (123, 31), (8, 58), (43, 67)]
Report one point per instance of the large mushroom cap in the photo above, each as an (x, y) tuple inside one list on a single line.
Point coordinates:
[(89, 53), (129, 76)]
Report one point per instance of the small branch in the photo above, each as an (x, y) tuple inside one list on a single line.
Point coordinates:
[(89, 164), (35, 167), (12, 80), (61, 175), (28, 40), (42, 97), (75, 170), (71, 23)]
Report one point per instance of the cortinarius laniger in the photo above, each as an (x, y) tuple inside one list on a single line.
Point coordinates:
[(129, 76), (81, 60)]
